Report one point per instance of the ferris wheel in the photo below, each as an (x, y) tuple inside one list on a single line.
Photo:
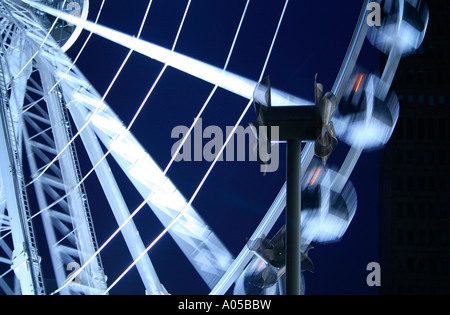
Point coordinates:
[(50, 110)]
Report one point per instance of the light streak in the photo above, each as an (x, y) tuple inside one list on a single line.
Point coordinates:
[(316, 175), (361, 76)]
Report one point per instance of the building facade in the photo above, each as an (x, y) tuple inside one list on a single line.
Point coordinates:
[(415, 170)]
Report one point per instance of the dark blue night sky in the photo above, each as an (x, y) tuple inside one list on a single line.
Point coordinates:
[(313, 38)]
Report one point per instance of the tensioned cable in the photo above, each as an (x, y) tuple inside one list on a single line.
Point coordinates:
[(79, 52), (187, 135), (102, 99), (159, 185), (73, 63), (13, 5), (68, 281), (104, 96), (187, 207), (127, 129), (75, 60), (42, 44)]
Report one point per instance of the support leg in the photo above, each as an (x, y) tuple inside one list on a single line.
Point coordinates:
[(293, 232)]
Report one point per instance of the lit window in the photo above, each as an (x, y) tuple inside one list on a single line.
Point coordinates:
[(421, 99)]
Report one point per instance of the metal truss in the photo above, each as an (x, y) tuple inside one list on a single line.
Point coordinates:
[(55, 89)]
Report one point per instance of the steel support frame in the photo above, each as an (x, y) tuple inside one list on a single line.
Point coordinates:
[(25, 257), (197, 241), (118, 205), (77, 223), (70, 171)]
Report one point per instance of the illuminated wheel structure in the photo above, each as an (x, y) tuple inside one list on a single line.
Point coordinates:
[(48, 106)]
